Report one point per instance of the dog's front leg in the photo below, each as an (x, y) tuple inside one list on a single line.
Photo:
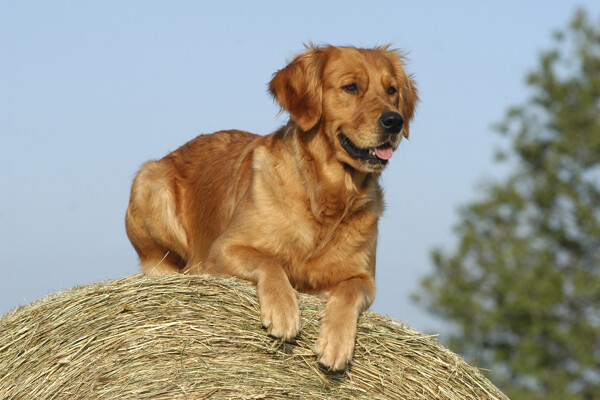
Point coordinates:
[(335, 345), (279, 311)]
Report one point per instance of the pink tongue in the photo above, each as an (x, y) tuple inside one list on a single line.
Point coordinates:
[(385, 153)]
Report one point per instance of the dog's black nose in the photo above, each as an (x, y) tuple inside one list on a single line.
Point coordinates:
[(391, 121)]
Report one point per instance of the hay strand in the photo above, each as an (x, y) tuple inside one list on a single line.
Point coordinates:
[(199, 337)]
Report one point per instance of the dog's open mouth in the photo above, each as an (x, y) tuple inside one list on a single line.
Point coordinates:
[(374, 155)]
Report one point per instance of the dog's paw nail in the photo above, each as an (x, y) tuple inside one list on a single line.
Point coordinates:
[(332, 363)]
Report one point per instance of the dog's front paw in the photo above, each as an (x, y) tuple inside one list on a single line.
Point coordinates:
[(335, 346), (279, 313)]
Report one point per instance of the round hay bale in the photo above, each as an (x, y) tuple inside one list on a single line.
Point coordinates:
[(200, 337)]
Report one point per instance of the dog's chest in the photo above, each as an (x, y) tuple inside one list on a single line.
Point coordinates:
[(318, 231), (309, 234), (343, 244), (298, 228)]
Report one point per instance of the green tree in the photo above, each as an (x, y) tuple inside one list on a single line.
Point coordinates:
[(522, 287)]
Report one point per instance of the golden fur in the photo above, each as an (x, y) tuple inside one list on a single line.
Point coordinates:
[(293, 210)]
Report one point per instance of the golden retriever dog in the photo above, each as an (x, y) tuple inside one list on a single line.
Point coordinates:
[(295, 210)]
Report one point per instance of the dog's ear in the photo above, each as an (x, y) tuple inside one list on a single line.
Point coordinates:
[(298, 87), (410, 97), (408, 92)]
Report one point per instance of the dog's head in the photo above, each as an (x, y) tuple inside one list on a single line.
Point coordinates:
[(362, 99)]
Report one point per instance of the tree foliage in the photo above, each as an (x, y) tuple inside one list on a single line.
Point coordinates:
[(522, 286)]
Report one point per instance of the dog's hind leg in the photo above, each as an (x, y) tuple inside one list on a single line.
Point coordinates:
[(152, 223)]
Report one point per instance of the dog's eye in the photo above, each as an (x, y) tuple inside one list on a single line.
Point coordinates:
[(391, 90), (351, 88)]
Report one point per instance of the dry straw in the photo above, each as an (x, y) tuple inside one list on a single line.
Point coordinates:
[(198, 337)]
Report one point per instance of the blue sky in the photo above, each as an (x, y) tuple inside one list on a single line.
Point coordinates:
[(90, 90)]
